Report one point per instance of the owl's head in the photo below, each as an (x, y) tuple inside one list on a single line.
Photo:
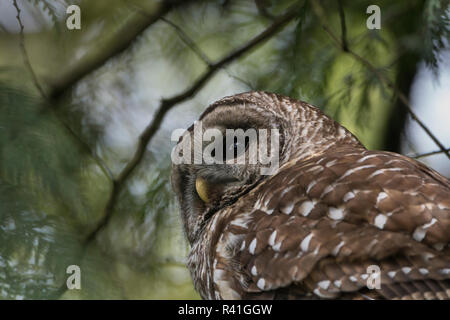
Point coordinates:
[(238, 142)]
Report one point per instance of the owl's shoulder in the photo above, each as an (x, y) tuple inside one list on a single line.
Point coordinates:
[(316, 208)]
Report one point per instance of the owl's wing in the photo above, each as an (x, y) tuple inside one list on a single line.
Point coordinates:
[(314, 229)]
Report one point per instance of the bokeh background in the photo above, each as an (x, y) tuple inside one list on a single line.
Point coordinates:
[(80, 185)]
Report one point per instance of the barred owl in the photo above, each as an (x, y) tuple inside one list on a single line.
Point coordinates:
[(311, 229)]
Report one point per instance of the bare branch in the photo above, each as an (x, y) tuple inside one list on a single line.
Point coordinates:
[(26, 59), (318, 10), (427, 154), (122, 41)]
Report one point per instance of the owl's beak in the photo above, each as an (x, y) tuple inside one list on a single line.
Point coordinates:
[(202, 189)]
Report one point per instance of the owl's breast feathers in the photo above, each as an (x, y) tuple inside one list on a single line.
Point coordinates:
[(313, 229)]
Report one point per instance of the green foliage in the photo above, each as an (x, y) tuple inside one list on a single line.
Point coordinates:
[(35, 150), (40, 198), (436, 37)]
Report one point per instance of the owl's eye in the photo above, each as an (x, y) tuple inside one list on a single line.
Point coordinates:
[(232, 148), (235, 147)]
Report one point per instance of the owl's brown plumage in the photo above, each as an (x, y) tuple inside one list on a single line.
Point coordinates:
[(311, 230)]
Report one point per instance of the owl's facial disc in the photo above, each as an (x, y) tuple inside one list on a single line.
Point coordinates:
[(205, 188)]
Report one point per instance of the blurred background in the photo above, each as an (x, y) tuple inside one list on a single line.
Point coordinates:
[(86, 117)]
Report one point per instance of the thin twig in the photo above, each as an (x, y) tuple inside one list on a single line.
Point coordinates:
[(26, 59), (196, 49), (427, 154), (318, 10), (188, 41)]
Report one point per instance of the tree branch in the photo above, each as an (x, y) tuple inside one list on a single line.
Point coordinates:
[(427, 154), (189, 42), (202, 56), (122, 41), (318, 10)]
